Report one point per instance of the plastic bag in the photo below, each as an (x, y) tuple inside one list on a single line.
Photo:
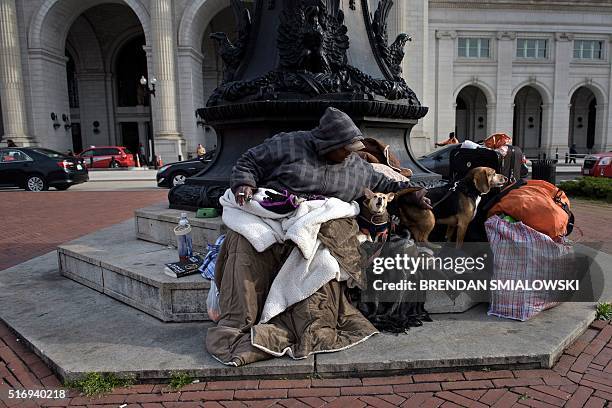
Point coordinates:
[(212, 302)]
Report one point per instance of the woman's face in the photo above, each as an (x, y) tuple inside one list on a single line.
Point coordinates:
[(338, 155)]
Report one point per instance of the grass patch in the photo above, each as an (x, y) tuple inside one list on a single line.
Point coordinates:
[(604, 311), (599, 188), (95, 384), (179, 380)]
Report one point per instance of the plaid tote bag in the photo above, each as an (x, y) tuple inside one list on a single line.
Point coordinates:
[(523, 254)]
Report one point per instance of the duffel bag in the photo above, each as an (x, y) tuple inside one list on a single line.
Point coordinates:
[(538, 204)]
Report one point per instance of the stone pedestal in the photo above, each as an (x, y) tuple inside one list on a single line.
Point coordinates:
[(171, 150)]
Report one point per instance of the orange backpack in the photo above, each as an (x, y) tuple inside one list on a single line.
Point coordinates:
[(538, 204)]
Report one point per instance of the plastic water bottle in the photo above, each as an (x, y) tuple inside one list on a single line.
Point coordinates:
[(183, 238)]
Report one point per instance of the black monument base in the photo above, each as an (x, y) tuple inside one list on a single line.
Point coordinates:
[(236, 136)]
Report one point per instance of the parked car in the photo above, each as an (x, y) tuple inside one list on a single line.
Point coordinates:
[(107, 157), (37, 169), (438, 161), (598, 165), (173, 174)]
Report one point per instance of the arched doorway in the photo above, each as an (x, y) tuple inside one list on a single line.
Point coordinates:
[(107, 106), (471, 114), (79, 40), (583, 120), (527, 126)]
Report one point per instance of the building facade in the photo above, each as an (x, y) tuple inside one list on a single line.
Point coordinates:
[(70, 71)]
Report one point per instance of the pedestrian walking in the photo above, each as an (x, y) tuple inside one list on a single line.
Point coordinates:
[(573, 152), (142, 156), (10, 143)]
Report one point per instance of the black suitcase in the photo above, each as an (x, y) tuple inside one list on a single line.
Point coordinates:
[(463, 160)]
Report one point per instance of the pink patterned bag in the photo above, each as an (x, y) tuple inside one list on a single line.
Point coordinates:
[(524, 254)]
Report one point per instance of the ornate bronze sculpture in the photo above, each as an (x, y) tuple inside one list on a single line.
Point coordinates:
[(287, 64)]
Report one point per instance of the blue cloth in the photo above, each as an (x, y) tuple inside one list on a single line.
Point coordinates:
[(208, 266)]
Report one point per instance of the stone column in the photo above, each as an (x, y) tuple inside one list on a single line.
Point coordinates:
[(412, 18), (504, 109), (167, 135), (11, 77), (556, 134), (606, 136), (445, 84)]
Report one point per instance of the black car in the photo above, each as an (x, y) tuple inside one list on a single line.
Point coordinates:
[(174, 174), (37, 169), (438, 161)]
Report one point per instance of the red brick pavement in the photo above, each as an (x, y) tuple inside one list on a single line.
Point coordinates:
[(35, 223), (594, 219), (581, 378)]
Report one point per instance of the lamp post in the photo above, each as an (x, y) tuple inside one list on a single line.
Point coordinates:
[(150, 91)]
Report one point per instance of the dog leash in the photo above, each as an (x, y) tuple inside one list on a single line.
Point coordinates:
[(448, 194)]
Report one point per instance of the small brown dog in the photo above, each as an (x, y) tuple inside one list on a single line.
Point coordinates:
[(454, 205), (373, 217)]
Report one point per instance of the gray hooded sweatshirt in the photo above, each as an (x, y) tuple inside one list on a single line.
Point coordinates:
[(295, 162)]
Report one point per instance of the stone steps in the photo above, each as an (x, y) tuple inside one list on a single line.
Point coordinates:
[(115, 263), (156, 224)]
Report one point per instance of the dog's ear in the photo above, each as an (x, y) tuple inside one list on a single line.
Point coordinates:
[(368, 193), (390, 197), (481, 180)]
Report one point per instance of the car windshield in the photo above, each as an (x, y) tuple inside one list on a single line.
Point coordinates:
[(445, 151), (50, 153)]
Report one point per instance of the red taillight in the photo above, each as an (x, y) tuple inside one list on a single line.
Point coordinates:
[(65, 164)]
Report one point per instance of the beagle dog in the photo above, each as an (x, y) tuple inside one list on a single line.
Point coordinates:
[(454, 205)]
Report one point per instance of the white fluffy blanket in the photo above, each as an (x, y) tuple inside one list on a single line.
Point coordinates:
[(310, 265)]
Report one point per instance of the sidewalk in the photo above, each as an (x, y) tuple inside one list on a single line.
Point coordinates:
[(122, 175), (581, 378)]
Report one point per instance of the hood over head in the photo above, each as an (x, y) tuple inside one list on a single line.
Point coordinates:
[(336, 129)]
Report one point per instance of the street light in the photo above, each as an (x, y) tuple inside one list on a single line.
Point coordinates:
[(150, 90)]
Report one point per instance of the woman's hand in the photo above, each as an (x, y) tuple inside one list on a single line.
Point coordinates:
[(418, 198), (243, 194), (423, 201)]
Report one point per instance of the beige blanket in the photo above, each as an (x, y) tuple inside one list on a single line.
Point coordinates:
[(323, 322)]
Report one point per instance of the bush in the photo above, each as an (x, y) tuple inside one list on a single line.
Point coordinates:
[(599, 188)]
